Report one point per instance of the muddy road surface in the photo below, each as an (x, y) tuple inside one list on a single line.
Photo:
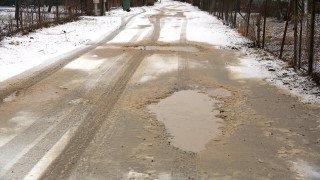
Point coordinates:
[(151, 104)]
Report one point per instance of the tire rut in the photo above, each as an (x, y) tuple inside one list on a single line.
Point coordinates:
[(183, 33), (18, 145), (88, 128), (183, 72)]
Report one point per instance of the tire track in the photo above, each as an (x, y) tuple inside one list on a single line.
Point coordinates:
[(183, 34), (87, 129), (19, 148), (183, 72)]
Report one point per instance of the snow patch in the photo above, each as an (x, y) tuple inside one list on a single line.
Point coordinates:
[(21, 121), (158, 64), (203, 27), (136, 176), (11, 97), (170, 29), (248, 68), (305, 170), (260, 64), (84, 64), (164, 176)]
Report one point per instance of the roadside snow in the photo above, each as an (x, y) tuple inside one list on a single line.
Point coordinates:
[(21, 53), (248, 68), (260, 64), (203, 27)]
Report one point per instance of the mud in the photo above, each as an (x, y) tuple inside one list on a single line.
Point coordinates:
[(168, 48)]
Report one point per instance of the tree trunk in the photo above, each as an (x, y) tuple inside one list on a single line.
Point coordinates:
[(39, 11), (264, 23), (57, 9), (311, 40), (50, 6), (258, 30), (248, 19), (17, 13)]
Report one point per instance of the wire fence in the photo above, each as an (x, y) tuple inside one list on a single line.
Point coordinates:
[(27, 15), (289, 29)]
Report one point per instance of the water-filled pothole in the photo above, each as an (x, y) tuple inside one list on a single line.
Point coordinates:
[(189, 118)]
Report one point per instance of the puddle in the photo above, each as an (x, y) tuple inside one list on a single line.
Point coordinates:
[(189, 118), (168, 48)]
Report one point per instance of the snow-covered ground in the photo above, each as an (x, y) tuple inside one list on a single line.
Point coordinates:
[(21, 53), (260, 64)]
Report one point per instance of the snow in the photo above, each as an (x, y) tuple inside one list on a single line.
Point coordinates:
[(158, 64), (305, 170), (21, 53), (133, 28), (203, 27), (170, 29), (84, 64), (136, 175), (248, 68), (260, 64)]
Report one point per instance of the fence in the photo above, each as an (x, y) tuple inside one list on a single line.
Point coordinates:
[(29, 15), (288, 29)]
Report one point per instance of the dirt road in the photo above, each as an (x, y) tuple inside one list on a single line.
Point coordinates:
[(150, 105)]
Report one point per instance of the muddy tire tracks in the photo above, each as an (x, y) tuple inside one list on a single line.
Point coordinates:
[(86, 131), (11, 152), (183, 72)]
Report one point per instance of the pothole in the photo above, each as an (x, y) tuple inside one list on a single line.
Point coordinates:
[(190, 118)]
